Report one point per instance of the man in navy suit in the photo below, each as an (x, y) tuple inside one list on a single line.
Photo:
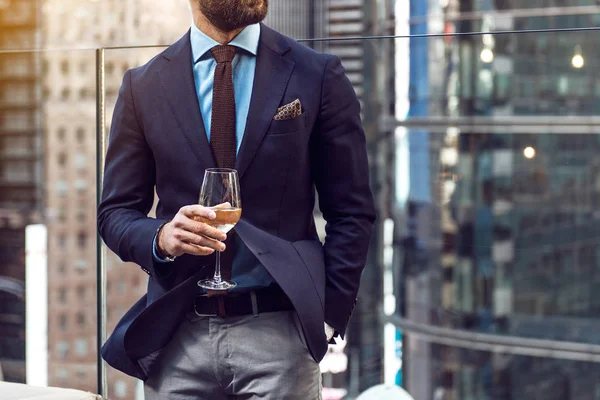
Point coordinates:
[(292, 126)]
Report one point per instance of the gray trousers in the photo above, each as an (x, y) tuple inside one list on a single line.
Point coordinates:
[(248, 357)]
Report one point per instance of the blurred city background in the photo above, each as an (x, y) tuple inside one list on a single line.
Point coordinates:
[(483, 280)]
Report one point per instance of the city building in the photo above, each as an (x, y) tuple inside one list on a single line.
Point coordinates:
[(69, 118), (298, 19), (515, 246), (20, 172)]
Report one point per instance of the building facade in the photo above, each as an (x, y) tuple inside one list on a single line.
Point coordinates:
[(515, 245), (20, 172), (69, 116)]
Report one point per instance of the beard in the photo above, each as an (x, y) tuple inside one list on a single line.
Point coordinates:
[(229, 15)]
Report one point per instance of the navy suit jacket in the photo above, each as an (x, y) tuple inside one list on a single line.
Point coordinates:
[(158, 141)]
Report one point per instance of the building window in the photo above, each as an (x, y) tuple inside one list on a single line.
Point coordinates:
[(83, 67), (64, 67), (19, 121), (16, 94), (46, 93), (82, 240), (62, 214), (62, 295), (81, 347), (62, 374), (62, 268), (62, 187), (16, 145), (81, 215), (80, 160), (81, 265), (45, 67), (63, 321), (62, 349), (81, 185), (84, 93), (65, 93), (80, 134), (62, 159), (81, 320), (62, 241), (81, 292), (110, 67)]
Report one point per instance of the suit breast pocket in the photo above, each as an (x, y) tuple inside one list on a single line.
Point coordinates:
[(288, 125)]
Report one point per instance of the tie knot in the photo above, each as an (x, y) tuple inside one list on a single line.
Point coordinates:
[(223, 53)]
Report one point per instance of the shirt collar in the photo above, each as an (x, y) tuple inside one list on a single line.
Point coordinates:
[(247, 40)]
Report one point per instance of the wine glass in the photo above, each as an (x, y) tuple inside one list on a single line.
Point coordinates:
[(221, 193)]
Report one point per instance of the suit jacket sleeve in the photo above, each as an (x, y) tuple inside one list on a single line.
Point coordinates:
[(341, 175), (128, 188)]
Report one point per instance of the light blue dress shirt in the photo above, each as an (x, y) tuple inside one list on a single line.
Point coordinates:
[(247, 271), (244, 65)]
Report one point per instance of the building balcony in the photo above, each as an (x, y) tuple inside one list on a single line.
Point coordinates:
[(21, 77), (18, 26), (17, 133), (20, 156), (8, 184)]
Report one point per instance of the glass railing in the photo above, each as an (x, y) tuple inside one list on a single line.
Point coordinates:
[(484, 270)]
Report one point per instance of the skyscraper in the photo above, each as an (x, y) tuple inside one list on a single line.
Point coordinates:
[(517, 245), (20, 172), (69, 115)]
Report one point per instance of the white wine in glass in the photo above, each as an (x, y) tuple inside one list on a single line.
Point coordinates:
[(221, 193), (226, 218)]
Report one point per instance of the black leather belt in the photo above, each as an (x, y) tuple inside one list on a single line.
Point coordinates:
[(238, 304)]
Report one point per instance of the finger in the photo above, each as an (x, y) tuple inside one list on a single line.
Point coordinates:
[(198, 228), (222, 206), (197, 240), (196, 210), (203, 229), (196, 250)]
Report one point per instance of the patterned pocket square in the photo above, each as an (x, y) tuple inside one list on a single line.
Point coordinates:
[(289, 111)]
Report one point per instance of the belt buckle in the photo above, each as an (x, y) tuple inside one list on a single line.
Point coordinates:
[(202, 315)]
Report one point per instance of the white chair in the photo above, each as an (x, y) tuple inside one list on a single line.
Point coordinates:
[(15, 391)]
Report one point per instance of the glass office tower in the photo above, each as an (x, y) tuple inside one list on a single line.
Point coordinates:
[(504, 240)]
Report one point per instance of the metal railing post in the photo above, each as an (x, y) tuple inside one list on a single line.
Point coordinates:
[(100, 253)]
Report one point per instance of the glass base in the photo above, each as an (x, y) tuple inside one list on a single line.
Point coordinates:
[(211, 284)]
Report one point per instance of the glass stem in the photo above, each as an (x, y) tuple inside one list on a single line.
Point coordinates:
[(217, 276)]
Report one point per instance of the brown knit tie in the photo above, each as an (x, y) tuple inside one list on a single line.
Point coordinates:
[(222, 132)]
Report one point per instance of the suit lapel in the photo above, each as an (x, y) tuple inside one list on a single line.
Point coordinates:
[(272, 75), (177, 80)]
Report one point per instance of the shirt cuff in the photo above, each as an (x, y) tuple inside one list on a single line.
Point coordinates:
[(329, 332), (155, 250)]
